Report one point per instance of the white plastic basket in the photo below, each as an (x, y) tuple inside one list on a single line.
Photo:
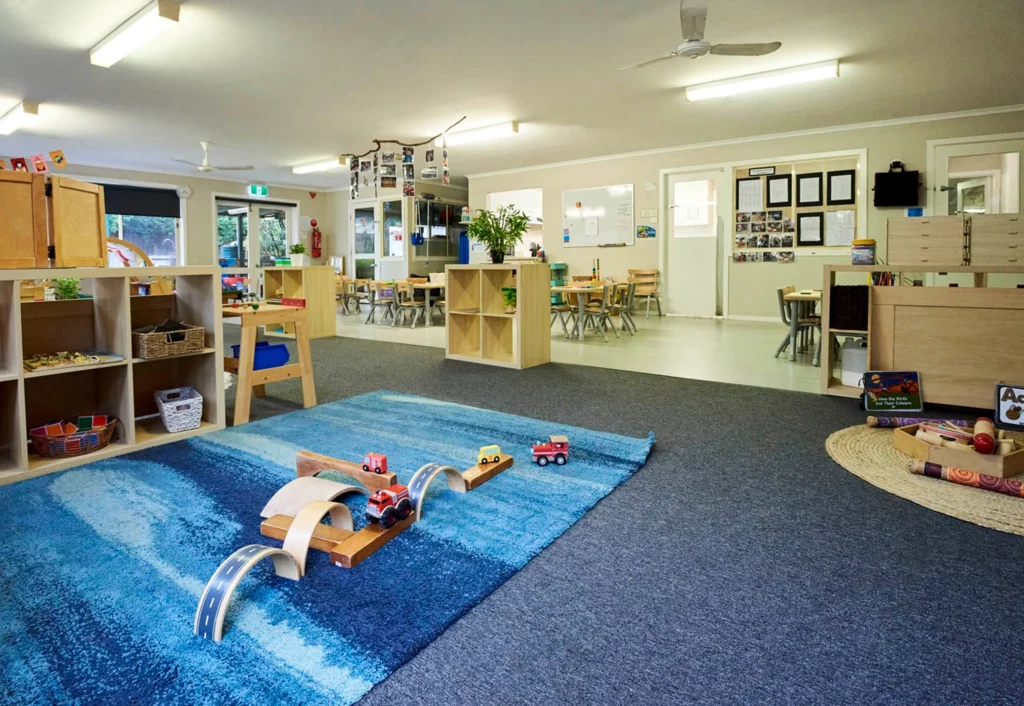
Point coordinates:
[(181, 409)]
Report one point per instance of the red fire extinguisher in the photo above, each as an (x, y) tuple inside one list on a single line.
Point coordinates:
[(317, 238)]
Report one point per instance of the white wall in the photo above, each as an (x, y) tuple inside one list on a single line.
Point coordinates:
[(752, 287)]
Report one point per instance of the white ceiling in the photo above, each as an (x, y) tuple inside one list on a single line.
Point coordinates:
[(277, 83)]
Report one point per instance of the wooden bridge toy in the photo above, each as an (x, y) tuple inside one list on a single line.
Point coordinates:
[(308, 463)]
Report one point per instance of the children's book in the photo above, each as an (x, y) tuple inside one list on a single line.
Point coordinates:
[(887, 391)]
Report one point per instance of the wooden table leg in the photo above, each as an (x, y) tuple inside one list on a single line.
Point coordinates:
[(305, 364), (246, 358)]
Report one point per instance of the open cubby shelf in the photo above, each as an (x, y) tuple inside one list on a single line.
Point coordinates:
[(315, 284), (102, 320), (482, 331)]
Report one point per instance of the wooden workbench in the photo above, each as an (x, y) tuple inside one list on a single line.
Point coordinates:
[(963, 340), (248, 379)]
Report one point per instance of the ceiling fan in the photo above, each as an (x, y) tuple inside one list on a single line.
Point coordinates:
[(205, 167), (693, 20)]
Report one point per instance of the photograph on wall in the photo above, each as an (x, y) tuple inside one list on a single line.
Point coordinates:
[(388, 170), (743, 217), (365, 165), (643, 231), (429, 173), (786, 241), (774, 216), (408, 188), (757, 217), (408, 172), (446, 177), (388, 182), (775, 241), (758, 228), (774, 226), (387, 157), (762, 240), (769, 257), (780, 190), (742, 228), (789, 226), (408, 155), (785, 256), (741, 241), (430, 155), (746, 257)]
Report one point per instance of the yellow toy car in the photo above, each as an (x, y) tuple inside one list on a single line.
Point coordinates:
[(489, 453)]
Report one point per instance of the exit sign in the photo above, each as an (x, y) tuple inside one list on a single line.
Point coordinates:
[(259, 190)]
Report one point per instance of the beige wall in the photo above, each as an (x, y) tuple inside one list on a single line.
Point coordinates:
[(199, 226), (752, 286)]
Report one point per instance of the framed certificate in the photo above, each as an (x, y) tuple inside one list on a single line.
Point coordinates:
[(780, 191), (808, 190)]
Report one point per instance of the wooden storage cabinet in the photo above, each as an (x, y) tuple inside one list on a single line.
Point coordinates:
[(23, 236), (314, 284), (123, 388), (929, 241), (78, 223), (479, 328), (996, 240)]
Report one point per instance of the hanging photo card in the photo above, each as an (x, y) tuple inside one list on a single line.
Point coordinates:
[(430, 155), (3, 166), (408, 155), (353, 164), (39, 163), (444, 157), (749, 194), (19, 164), (354, 187), (809, 228), (429, 173), (780, 191), (389, 182), (446, 178), (808, 190), (839, 228), (408, 172), (408, 188), (387, 157), (58, 159), (388, 170), (365, 165)]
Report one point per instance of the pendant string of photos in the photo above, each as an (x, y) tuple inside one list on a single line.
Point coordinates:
[(384, 170)]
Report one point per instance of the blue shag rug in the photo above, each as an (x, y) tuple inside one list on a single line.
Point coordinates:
[(101, 567)]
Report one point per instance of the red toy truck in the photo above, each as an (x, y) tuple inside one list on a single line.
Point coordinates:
[(556, 449), (388, 506), (375, 463)]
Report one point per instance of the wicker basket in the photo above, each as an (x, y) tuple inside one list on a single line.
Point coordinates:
[(73, 444), (181, 409), (146, 344)]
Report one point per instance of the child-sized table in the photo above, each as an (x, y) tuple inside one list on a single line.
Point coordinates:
[(249, 379)]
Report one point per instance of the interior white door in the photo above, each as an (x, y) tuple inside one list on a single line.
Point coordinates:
[(693, 244), (364, 249), (987, 174)]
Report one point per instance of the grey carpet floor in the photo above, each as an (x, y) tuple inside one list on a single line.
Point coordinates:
[(739, 566)]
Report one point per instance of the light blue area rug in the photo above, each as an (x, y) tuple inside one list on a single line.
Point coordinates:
[(101, 567)]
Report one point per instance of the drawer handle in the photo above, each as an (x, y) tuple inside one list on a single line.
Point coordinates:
[(1013, 247), (1013, 232), (1013, 260)]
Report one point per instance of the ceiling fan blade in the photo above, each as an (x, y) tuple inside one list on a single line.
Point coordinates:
[(185, 161), (745, 49), (673, 55), (692, 20), (234, 169)]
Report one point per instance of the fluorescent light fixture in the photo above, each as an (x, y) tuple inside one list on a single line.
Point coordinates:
[(18, 116), (760, 82), (143, 26), (479, 134), (324, 166)]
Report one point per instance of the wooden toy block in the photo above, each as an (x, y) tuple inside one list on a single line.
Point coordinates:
[(481, 473), (324, 539), (308, 463), (300, 534), (294, 496), (366, 541)]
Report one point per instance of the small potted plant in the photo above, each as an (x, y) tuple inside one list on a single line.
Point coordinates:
[(509, 294), (67, 287), (299, 258), (500, 232)]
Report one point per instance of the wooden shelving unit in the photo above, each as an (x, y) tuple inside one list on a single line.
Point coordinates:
[(315, 284), (961, 339), (124, 388), (479, 328)]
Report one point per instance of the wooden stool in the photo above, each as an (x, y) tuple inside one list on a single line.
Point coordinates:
[(249, 380)]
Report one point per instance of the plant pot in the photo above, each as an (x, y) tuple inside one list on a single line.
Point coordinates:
[(510, 309), (299, 260), (497, 256)]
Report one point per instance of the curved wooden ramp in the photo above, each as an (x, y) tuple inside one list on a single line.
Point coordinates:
[(298, 493), (213, 604), (421, 481), (300, 533)]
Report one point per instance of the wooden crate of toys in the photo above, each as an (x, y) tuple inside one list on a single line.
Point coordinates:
[(977, 448)]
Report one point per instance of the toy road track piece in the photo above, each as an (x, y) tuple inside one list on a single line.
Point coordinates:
[(481, 473), (213, 604), (308, 463), (300, 535)]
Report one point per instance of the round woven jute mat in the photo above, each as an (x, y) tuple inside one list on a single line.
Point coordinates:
[(869, 454)]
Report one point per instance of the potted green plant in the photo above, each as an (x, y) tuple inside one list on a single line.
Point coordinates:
[(67, 287), (500, 232), (509, 294), (299, 258)]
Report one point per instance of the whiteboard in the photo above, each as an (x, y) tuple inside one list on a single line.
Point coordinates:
[(595, 217)]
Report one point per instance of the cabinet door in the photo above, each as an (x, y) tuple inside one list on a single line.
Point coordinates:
[(78, 223), (22, 221)]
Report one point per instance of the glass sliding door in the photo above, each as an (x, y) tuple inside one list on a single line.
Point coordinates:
[(273, 235), (251, 236)]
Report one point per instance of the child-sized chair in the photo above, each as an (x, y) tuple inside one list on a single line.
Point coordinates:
[(408, 303), (382, 296), (599, 314)]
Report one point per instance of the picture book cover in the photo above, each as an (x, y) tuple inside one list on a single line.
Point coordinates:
[(887, 391), (1010, 407)]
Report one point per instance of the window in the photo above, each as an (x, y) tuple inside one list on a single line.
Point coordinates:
[(392, 232), (439, 224), (147, 218)]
